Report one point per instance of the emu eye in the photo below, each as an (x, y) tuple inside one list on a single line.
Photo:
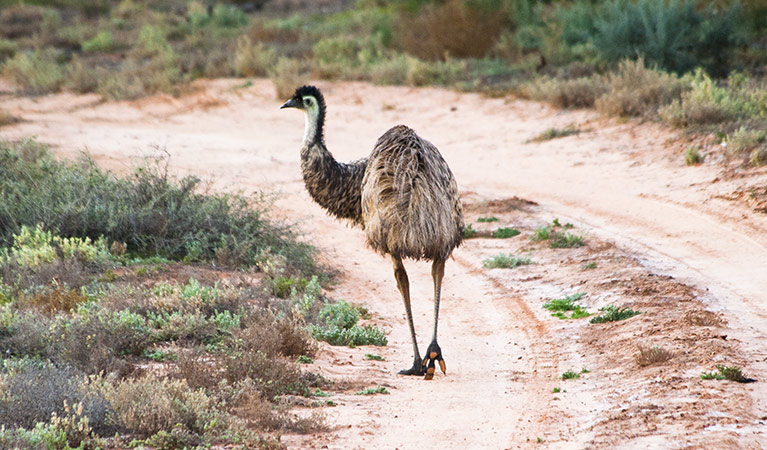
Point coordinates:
[(308, 102)]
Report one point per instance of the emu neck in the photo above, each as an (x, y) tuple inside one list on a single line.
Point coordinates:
[(335, 186), (313, 127)]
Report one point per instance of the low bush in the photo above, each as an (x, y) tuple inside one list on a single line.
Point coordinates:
[(337, 325), (34, 72), (566, 93), (708, 103), (472, 32), (150, 211), (33, 390), (103, 41), (637, 90), (252, 60), (286, 75)]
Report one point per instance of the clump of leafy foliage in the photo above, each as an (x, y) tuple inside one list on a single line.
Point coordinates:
[(612, 313)]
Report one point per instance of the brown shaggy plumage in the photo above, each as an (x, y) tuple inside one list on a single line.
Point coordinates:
[(410, 204), (403, 195)]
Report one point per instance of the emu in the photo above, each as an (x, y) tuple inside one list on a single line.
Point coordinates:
[(403, 196)]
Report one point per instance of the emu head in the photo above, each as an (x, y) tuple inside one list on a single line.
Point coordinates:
[(310, 100)]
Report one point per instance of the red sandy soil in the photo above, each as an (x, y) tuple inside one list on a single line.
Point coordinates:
[(687, 246)]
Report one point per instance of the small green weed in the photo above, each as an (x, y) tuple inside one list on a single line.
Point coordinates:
[(503, 233), (612, 313), (711, 376), (505, 261), (692, 156), (570, 375), (487, 219), (566, 226), (303, 359), (566, 240), (469, 232), (585, 370), (101, 42), (589, 266), (370, 356), (560, 306), (554, 133), (320, 393), (557, 239), (731, 373), (372, 391), (556, 390), (159, 355)]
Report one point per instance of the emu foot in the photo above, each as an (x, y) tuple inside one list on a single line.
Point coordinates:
[(417, 368), (433, 354)]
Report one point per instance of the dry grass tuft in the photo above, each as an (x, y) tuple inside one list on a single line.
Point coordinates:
[(704, 318), (637, 90), (286, 76), (648, 356)]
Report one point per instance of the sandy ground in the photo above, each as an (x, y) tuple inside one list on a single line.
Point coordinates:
[(687, 246)]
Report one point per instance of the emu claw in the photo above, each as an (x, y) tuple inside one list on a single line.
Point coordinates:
[(433, 355)]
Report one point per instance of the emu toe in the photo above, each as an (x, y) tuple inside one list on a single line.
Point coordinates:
[(417, 368), (433, 356)]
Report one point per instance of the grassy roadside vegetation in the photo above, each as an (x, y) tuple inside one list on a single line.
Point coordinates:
[(693, 64), (129, 315)]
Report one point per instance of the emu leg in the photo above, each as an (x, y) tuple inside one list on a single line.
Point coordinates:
[(434, 353), (404, 288)]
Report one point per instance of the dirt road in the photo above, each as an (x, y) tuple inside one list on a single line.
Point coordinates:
[(665, 238)]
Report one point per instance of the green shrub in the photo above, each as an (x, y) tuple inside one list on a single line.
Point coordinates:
[(707, 103), (505, 261), (570, 375), (103, 41), (611, 313), (504, 233), (673, 34), (692, 156), (338, 326), (34, 72), (566, 240), (149, 211), (8, 48), (252, 60), (469, 232), (352, 337), (228, 16), (340, 314), (373, 391)]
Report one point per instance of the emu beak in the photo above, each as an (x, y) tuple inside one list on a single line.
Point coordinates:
[(292, 103)]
